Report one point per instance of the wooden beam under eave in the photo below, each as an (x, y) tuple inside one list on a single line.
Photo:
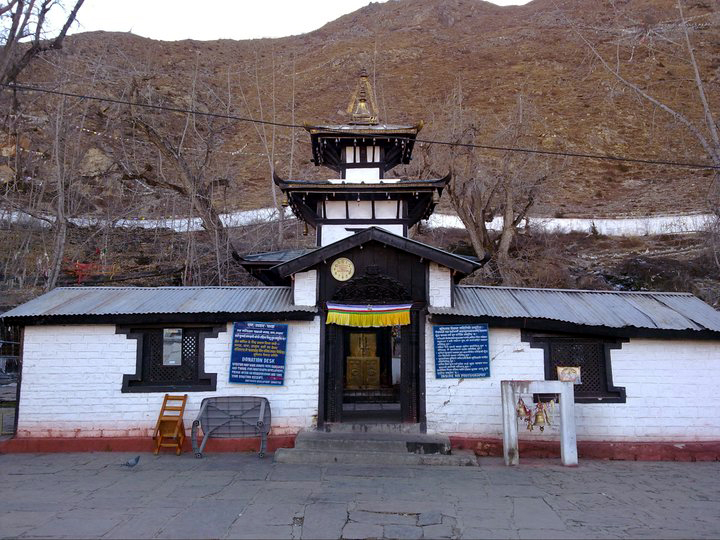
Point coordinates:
[(418, 208)]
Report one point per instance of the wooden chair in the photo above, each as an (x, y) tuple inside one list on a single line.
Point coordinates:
[(170, 429)]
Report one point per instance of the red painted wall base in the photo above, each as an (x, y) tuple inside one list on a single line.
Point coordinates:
[(134, 444), (626, 451)]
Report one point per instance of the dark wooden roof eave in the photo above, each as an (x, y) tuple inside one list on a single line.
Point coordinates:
[(303, 196), (459, 264), (351, 187), (324, 155), (161, 318), (262, 273), (357, 130)]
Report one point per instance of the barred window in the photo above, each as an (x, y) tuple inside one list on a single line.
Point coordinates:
[(591, 355), (169, 359)]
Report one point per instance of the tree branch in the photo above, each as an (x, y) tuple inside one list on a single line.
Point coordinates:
[(712, 152), (709, 120), (11, 70)]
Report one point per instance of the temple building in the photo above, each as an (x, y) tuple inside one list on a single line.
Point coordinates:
[(376, 330)]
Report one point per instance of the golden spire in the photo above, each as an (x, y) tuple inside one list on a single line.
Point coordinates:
[(362, 103)]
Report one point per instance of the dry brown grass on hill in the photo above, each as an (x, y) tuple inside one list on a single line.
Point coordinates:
[(415, 51)]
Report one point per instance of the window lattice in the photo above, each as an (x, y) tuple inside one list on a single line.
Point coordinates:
[(154, 372), (590, 356)]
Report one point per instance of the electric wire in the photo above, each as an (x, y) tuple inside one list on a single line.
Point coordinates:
[(327, 129)]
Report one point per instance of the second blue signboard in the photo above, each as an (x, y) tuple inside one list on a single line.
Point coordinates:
[(461, 351)]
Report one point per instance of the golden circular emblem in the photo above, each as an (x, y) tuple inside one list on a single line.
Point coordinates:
[(342, 269)]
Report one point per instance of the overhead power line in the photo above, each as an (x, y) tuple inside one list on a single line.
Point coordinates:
[(26, 88), (582, 155)]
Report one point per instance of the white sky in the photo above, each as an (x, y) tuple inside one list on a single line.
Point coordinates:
[(216, 19)]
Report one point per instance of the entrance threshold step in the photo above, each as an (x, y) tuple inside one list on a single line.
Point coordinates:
[(419, 443), (315, 457), (373, 448), (371, 427)]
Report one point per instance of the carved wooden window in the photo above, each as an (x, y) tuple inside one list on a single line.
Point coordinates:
[(170, 359), (591, 355)]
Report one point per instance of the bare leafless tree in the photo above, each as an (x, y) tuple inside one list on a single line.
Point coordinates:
[(616, 56), (24, 33), (617, 49), (268, 141), (484, 185), (51, 141), (187, 160)]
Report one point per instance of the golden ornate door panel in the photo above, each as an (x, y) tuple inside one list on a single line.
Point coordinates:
[(363, 364), (363, 372), (363, 344)]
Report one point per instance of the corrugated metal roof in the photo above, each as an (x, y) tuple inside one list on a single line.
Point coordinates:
[(654, 310), (65, 301), (277, 256)]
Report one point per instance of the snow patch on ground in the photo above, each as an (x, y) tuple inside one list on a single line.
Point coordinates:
[(652, 225)]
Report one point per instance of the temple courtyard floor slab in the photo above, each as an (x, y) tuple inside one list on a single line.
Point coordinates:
[(91, 495)]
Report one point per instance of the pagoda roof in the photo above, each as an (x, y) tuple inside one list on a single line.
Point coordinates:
[(366, 129), (257, 264), (303, 196), (275, 257), (277, 267), (328, 142), (381, 186)]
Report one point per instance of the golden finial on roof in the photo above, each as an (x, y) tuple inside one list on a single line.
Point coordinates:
[(362, 103)]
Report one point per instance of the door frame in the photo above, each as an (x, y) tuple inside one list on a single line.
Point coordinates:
[(412, 370)]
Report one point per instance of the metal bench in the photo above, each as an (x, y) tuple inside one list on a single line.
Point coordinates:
[(232, 417)]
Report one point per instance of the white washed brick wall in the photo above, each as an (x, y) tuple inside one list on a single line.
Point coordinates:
[(305, 288), (671, 390), (72, 377), (472, 406), (440, 283)]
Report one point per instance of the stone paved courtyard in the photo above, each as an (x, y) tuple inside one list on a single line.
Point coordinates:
[(240, 496)]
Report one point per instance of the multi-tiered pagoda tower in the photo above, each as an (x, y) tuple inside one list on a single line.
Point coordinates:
[(360, 153), (370, 282)]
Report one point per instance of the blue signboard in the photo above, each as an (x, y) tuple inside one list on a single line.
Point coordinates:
[(258, 353), (461, 351)]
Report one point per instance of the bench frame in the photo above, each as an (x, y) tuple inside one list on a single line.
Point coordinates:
[(231, 417)]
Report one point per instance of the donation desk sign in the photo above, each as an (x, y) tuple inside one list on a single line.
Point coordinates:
[(258, 353), (461, 351)]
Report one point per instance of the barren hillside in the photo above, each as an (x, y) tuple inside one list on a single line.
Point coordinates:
[(110, 160), (416, 51)]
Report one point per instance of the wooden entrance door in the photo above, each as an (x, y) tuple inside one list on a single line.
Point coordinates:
[(345, 370)]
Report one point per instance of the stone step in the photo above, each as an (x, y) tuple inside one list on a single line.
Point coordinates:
[(314, 457), (348, 445), (371, 427), (373, 442), (372, 448)]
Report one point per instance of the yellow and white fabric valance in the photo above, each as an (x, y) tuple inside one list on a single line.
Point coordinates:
[(378, 315)]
